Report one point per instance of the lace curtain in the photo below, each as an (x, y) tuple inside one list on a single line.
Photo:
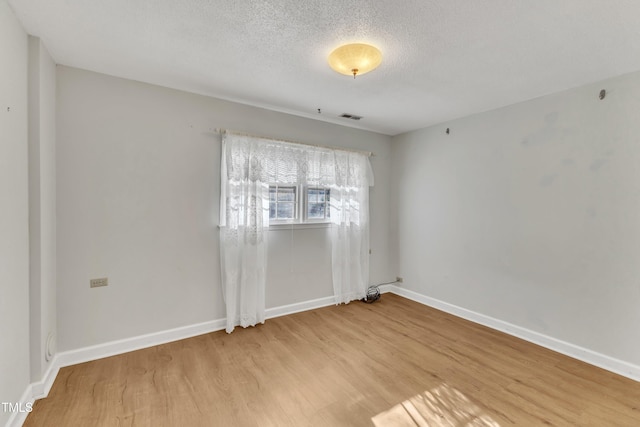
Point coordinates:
[(350, 226), (249, 165)]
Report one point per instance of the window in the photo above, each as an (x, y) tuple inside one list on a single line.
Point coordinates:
[(250, 167), (285, 205), (318, 204)]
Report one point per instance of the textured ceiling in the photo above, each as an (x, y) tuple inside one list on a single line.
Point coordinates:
[(442, 59)]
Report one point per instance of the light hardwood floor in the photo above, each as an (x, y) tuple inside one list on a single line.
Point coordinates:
[(391, 363)]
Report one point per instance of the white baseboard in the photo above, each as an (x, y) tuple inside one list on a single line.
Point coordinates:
[(385, 289), (126, 345), (591, 357), (17, 418), (283, 310), (41, 389), (113, 348)]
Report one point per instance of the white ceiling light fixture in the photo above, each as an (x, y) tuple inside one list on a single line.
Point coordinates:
[(355, 58)]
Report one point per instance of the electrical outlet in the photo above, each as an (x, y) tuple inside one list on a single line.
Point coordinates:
[(96, 283), (399, 279)]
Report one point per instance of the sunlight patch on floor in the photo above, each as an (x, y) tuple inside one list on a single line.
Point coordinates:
[(442, 406)]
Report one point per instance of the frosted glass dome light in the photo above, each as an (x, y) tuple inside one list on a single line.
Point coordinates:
[(356, 58)]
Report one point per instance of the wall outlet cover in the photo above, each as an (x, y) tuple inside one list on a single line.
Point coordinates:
[(96, 283)]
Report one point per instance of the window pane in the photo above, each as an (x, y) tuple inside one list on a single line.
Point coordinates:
[(286, 210), (316, 210), (312, 196), (286, 194), (317, 203), (282, 202)]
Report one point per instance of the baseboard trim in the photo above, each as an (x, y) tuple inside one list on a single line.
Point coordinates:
[(17, 418), (385, 289), (126, 345), (591, 357), (284, 310), (39, 390)]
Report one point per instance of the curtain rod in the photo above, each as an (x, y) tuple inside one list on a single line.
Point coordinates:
[(366, 153)]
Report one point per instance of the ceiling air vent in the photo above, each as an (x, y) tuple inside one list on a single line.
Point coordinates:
[(351, 116)]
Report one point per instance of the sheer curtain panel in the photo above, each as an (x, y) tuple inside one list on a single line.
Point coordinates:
[(350, 226), (244, 224)]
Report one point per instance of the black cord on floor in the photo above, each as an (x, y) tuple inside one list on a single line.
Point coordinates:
[(373, 293)]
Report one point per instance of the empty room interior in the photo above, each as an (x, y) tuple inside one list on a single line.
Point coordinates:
[(360, 213)]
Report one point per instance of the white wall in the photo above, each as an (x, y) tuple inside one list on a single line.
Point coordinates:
[(300, 257), (138, 193), (14, 240), (42, 204), (531, 214)]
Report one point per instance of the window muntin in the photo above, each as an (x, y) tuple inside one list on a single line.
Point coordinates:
[(298, 204), (317, 208), (283, 203)]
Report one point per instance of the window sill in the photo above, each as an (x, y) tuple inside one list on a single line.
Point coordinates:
[(294, 225), (298, 225)]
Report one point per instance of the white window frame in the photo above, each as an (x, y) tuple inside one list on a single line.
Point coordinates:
[(327, 208), (296, 204), (301, 203)]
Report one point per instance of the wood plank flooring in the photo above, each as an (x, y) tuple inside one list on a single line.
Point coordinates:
[(391, 363)]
